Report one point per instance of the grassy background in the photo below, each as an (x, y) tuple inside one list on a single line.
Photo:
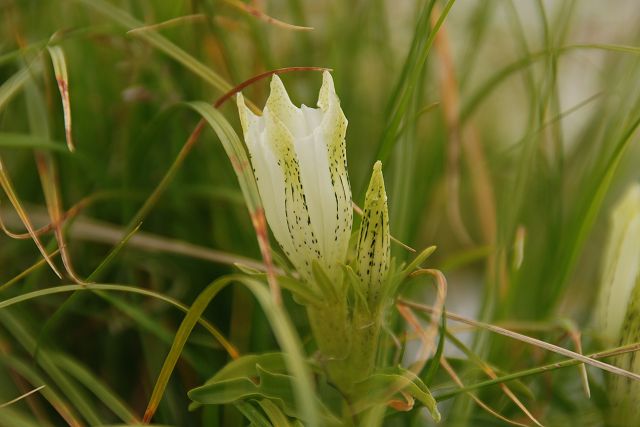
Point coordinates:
[(506, 137)]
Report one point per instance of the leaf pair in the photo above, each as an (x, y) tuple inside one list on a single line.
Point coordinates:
[(264, 377), (256, 378)]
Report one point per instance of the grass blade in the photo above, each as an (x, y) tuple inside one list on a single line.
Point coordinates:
[(533, 341), (13, 198), (22, 396), (12, 86), (160, 42), (62, 77), (194, 313)]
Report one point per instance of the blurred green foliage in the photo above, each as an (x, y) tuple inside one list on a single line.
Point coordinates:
[(505, 138)]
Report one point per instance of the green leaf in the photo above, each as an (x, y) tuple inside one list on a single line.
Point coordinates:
[(383, 385), (252, 414), (245, 379), (246, 366), (301, 381), (277, 418)]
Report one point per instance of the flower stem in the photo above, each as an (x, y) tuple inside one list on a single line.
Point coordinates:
[(348, 343)]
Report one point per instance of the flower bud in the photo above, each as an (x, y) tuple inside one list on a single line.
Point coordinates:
[(374, 242)]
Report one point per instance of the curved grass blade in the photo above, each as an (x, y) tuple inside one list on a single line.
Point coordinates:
[(491, 373), (101, 391), (25, 273), (160, 42), (26, 141), (449, 369), (242, 167), (238, 88), (413, 70), (290, 343), (234, 150), (22, 396), (49, 179), (179, 20), (6, 185), (9, 89), (67, 387), (50, 394), (432, 367), (62, 78), (12, 85), (533, 341), (56, 317), (473, 101), (194, 313), (281, 326), (538, 370), (170, 23), (134, 222), (119, 288), (15, 418), (39, 124), (257, 13)]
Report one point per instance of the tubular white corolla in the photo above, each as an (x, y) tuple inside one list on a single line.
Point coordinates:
[(300, 164), (621, 266)]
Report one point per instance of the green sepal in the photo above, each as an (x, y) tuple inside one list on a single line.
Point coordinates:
[(413, 265), (281, 262), (302, 293), (395, 279), (326, 287), (356, 286)]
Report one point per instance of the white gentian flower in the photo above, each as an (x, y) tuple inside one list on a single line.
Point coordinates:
[(300, 164), (621, 266), (624, 394)]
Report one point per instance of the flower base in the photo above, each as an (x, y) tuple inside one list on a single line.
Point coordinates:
[(347, 343)]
